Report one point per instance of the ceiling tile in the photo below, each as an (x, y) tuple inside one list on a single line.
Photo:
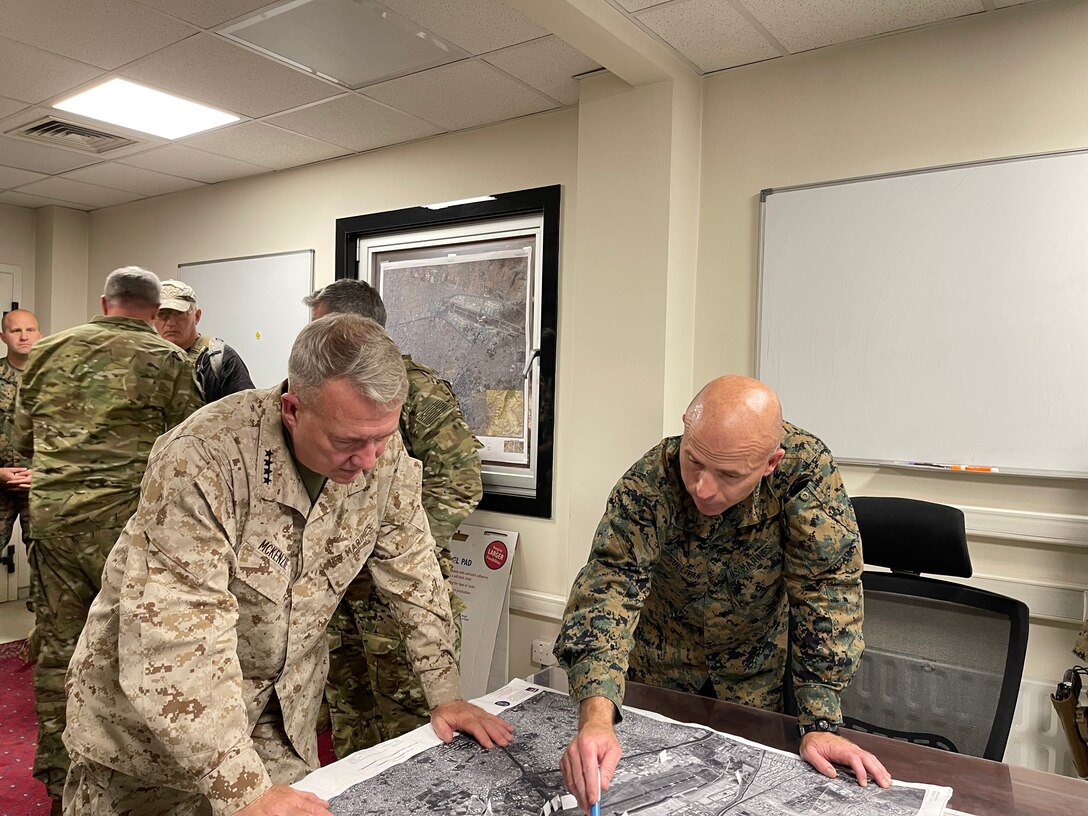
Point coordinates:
[(265, 145), (228, 76), (710, 33), (548, 64), (801, 25), (31, 75), (461, 95), (206, 13), (64, 189), (133, 179), (10, 106), (26, 200), (13, 176), (106, 33), (43, 158), (1007, 3), (176, 160), (355, 123), (475, 25)]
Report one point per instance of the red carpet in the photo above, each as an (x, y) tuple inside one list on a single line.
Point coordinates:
[(20, 793)]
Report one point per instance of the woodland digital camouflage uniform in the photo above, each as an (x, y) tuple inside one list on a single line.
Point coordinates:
[(92, 402), (373, 694), (714, 591), (202, 665)]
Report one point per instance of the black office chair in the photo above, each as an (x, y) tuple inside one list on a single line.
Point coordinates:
[(943, 661)]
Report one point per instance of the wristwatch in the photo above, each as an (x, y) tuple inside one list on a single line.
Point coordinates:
[(821, 724)]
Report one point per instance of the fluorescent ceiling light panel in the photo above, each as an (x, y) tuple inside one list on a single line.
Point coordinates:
[(137, 107), (352, 42), (443, 204)]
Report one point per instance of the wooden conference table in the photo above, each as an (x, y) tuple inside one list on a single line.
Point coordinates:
[(979, 786)]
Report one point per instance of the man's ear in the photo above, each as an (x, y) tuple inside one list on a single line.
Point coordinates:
[(289, 406), (197, 316), (104, 305), (772, 463)]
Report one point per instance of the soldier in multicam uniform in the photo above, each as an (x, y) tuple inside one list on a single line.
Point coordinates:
[(196, 685), (708, 544), (92, 401), (19, 332), (372, 692)]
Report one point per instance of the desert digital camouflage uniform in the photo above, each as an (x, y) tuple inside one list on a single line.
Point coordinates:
[(373, 694), (715, 593), (93, 400), (13, 503), (203, 662)]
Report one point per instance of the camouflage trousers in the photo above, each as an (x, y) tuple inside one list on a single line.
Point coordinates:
[(372, 691), (65, 575), (96, 790), (14, 504)]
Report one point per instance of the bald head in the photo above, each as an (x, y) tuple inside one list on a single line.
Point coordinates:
[(732, 433)]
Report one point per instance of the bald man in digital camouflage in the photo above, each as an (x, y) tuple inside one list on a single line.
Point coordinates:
[(709, 543)]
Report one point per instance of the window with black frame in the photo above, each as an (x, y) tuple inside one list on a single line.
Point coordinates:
[(470, 290)]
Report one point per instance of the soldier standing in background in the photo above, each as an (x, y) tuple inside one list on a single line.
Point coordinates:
[(372, 692), (92, 402), (220, 370), (19, 331)]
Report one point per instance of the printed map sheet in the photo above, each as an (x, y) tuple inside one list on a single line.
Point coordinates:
[(668, 768)]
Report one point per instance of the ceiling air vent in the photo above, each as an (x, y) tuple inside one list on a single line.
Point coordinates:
[(58, 132)]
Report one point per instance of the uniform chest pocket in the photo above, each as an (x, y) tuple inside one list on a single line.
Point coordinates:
[(346, 564), (263, 569)]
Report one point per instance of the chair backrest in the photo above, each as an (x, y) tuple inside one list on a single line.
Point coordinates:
[(943, 662)]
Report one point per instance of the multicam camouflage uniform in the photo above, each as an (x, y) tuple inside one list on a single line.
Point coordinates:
[(13, 503), (208, 638), (372, 692), (715, 593), (92, 401)]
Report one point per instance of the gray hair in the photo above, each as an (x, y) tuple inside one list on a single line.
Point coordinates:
[(350, 347), (351, 296), (134, 286)]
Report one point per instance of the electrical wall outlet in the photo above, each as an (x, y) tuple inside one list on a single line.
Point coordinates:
[(542, 653)]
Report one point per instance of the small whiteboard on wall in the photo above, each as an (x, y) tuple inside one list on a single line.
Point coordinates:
[(255, 305), (938, 317)]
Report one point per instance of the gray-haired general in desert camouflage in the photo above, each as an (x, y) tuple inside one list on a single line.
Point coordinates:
[(196, 684), (93, 399), (674, 598)]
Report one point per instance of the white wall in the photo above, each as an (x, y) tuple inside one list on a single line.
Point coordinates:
[(1011, 84), (17, 248)]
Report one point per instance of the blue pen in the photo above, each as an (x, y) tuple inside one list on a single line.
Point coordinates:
[(595, 810)]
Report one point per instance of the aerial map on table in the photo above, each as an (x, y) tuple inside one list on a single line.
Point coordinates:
[(667, 768)]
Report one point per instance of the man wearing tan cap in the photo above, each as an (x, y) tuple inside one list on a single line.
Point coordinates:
[(219, 368)]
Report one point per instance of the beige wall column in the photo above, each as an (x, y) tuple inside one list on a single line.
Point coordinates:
[(623, 297), (60, 281)]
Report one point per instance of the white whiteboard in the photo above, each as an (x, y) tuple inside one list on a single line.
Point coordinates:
[(255, 305), (934, 317)]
